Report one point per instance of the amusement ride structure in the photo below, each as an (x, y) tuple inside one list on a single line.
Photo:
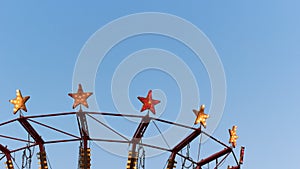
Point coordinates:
[(136, 158)]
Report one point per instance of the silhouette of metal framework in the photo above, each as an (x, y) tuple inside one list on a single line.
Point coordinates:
[(83, 137)]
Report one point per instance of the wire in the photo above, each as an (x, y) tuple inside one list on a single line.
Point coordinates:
[(13, 158), (235, 157), (141, 157), (165, 164), (220, 164), (49, 162), (199, 147), (183, 165), (15, 162), (161, 134), (218, 141), (111, 129), (26, 159)]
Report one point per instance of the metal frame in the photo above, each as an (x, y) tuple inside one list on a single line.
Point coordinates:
[(139, 133), (84, 137), (7, 152)]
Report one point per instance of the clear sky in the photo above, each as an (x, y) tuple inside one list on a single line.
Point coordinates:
[(257, 42)]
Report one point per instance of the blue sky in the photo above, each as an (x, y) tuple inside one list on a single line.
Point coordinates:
[(257, 43)]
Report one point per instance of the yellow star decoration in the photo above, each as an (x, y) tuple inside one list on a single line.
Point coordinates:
[(201, 116), (80, 97), (233, 136), (19, 102)]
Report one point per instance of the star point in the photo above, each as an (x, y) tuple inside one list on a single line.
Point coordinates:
[(201, 116), (233, 136), (80, 98), (148, 102), (19, 102)]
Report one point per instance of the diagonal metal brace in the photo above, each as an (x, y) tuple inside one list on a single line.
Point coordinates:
[(31, 131), (139, 133), (181, 145), (213, 157)]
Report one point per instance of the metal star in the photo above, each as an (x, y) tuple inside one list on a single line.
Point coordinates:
[(80, 97), (201, 116), (19, 102), (148, 102), (233, 136)]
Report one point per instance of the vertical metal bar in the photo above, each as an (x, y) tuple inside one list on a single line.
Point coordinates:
[(139, 133)]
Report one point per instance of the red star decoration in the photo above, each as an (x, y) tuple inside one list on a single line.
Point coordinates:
[(148, 102), (80, 97)]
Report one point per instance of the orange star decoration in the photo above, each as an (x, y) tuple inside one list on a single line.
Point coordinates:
[(19, 102), (148, 102), (80, 97), (233, 136), (201, 116)]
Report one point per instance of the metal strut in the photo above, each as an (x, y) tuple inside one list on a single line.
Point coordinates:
[(234, 167), (38, 140), (84, 150), (213, 157), (180, 146), (7, 152), (139, 133)]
